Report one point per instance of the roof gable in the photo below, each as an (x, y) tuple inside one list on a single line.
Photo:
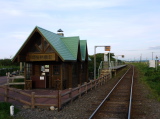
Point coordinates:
[(72, 44), (84, 50), (57, 43), (83, 44)]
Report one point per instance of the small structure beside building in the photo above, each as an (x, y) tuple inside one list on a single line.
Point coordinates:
[(53, 61)]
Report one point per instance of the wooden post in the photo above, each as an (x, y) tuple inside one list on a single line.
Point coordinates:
[(59, 100), (102, 80), (91, 84), (70, 94), (86, 88), (98, 81), (33, 100), (79, 90), (6, 93), (95, 84)]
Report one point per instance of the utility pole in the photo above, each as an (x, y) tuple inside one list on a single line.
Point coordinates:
[(156, 62), (152, 55)]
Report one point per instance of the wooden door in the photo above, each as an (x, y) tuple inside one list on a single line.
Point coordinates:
[(56, 77)]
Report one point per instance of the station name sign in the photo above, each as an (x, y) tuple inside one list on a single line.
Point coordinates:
[(41, 57), (107, 48)]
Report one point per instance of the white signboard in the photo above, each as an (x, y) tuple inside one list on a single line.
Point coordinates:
[(152, 63), (41, 77), (46, 70)]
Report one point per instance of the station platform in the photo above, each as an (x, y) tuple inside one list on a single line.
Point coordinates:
[(118, 67)]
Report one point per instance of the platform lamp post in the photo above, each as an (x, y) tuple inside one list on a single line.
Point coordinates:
[(107, 48)]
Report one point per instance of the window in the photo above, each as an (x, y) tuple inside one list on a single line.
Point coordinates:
[(28, 70), (56, 70)]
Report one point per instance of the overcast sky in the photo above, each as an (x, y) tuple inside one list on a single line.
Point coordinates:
[(130, 27)]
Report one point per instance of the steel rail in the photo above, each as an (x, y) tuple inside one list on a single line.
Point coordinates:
[(107, 96), (130, 101)]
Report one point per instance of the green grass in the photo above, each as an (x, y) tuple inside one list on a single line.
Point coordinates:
[(5, 110), (151, 77)]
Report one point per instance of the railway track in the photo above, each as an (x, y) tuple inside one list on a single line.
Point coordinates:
[(118, 102)]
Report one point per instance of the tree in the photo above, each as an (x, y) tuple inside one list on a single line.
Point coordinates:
[(7, 62)]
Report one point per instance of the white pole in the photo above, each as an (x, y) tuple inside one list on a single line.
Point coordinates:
[(12, 110), (94, 62)]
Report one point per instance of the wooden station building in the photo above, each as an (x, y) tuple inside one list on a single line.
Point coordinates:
[(52, 60)]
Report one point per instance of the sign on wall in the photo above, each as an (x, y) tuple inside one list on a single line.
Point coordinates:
[(41, 57), (41, 77)]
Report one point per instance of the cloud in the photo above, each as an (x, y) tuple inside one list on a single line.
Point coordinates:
[(154, 48), (41, 5)]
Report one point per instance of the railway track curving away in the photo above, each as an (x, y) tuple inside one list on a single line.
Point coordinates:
[(117, 104)]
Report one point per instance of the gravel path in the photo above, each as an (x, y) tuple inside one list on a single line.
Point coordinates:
[(81, 107)]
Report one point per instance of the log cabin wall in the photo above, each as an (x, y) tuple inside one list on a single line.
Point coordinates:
[(70, 69), (64, 76), (84, 72), (79, 73), (70, 74), (75, 75)]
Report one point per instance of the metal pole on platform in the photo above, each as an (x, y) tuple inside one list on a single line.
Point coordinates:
[(110, 65), (107, 48), (95, 62)]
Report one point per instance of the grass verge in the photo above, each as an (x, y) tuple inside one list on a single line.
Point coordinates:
[(151, 77), (5, 110)]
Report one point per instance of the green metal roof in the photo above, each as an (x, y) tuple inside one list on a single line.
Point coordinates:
[(72, 45), (66, 47), (83, 46)]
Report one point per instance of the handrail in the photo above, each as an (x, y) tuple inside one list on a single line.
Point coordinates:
[(100, 67)]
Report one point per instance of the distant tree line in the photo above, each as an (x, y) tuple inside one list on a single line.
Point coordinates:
[(7, 62), (6, 65)]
